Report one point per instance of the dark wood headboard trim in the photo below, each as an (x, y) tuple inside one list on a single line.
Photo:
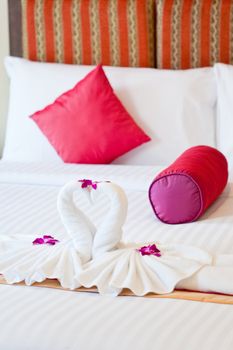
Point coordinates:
[(15, 27)]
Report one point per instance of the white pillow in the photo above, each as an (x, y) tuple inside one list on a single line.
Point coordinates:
[(224, 78), (175, 108)]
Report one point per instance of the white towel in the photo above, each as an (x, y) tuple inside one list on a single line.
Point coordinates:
[(217, 277), (113, 269), (127, 268), (109, 233), (91, 256), (20, 260), (78, 226)]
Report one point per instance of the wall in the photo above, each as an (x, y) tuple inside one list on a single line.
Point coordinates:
[(4, 50)]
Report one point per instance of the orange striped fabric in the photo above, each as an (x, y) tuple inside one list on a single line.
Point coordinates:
[(111, 32), (193, 33)]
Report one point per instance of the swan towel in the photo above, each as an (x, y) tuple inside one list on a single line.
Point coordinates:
[(94, 256)]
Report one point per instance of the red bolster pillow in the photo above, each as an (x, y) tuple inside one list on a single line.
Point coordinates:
[(182, 192)]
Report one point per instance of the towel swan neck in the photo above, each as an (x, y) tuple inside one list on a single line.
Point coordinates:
[(76, 223), (109, 232), (82, 230)]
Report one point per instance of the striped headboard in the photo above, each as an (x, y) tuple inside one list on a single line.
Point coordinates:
[(194, 33), (173, 34), (111, 32)]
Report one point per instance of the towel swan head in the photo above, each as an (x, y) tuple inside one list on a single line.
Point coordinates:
[(88, 240)]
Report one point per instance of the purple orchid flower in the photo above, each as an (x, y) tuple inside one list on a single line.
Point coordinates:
[(38, 241), (150, 249), (88, 183), (46, 239)]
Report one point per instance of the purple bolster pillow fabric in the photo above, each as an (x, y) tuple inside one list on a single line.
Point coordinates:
[(182, 192)]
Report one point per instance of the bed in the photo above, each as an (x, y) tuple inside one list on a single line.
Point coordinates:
[(48, 318), (42, 318)]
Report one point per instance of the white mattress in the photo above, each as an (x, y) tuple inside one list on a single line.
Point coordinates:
[(37, 318)]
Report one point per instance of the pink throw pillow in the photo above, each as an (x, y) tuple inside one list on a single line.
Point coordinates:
[(88, 124)]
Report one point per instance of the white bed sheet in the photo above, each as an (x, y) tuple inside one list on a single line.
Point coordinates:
[(37, 318), (28, 205)]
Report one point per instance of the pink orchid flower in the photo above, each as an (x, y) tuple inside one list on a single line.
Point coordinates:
[(88, 183), (46, 239), (150, 249)]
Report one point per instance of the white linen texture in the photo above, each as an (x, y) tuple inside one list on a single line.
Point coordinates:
[(224, 127), (94, 256), (28, 195)]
